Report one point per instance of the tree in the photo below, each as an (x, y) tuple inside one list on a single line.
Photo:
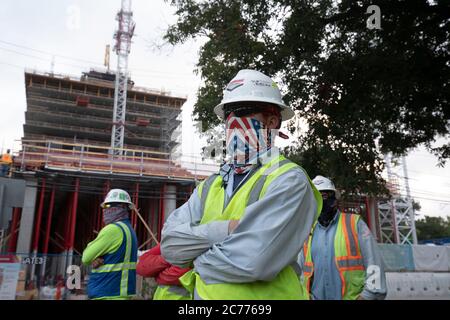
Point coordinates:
[(433, 228), (362, 92)]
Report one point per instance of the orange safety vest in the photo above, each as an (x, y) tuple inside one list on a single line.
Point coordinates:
[(6, 158), (348, 258)]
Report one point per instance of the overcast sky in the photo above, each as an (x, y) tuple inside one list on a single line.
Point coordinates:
[(74, 34)]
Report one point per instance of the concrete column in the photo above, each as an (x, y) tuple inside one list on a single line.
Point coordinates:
[(27, 220), (170, 200), (11, 196)]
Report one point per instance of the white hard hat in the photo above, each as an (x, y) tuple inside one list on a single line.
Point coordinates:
[(324, 184), (117, 195), (252, 85)]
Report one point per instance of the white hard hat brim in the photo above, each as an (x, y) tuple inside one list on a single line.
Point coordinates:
[(286, 112)]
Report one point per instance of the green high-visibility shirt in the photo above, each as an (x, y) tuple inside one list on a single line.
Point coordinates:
[(108, 240)]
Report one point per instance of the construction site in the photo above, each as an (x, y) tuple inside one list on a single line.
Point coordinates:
[(65, 166), (89, 133)]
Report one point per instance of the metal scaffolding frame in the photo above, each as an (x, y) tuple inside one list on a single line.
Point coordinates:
[(397, 218), (52, 111)]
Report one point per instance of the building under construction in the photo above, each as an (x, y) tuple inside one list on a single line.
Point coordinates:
[(65, 166)]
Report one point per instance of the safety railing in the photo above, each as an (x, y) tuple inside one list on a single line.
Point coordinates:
[(91, 158)]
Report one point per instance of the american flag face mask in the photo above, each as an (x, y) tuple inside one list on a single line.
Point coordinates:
[(246, 139)]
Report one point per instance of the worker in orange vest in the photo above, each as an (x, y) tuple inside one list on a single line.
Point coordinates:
[(5, 163), (340, 260)]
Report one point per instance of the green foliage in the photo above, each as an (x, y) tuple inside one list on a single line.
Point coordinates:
[(361, 92), (433, 227), (353, 174)]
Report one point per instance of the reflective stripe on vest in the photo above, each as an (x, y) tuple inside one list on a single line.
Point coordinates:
[(124, 279), (348, 259), (125, 266), (171, 293), (115, 267), (212, 194)]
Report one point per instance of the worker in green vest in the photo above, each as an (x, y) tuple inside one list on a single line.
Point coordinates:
[(340, 260), (113, 254), (242, 229)]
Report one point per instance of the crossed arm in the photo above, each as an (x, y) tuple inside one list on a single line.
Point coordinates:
[(267, 238)]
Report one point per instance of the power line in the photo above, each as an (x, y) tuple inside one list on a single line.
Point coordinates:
[(49, 53), (166, 74), (415, 193), (12, 65), (435, 200), (40, 58), (23, 54), (430, 174)]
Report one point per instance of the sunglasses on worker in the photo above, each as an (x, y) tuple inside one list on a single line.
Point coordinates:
[(241, 111), (246, 110)]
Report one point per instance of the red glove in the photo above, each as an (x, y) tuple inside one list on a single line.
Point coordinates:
[(151, 263), (171, 275), (156, 250)]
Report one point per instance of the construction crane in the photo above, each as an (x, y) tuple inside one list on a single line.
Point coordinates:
[(122, 48)]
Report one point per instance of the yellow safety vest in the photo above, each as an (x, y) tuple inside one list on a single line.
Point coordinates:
[(348, 258), (286, 284), (171, 293)]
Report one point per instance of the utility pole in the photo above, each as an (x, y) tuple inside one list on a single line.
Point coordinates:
[(122, 48)]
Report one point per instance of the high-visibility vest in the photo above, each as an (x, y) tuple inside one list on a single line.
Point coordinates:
[(171, 293), (348, 258), (6, 158), (116, 278), (286, 284)]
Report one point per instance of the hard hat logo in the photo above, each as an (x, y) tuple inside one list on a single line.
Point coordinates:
[(122, 196), (264, 83), (234, 84), (117, 195)]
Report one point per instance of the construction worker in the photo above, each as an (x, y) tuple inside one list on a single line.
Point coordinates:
[(152, 264), (240, 228), (340, 260), (5, 163), (113, 254)]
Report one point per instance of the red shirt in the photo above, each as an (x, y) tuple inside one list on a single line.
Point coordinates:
[(152, 264)]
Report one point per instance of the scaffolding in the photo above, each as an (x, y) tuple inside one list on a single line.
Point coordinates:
[(397, 218), (80, 110)]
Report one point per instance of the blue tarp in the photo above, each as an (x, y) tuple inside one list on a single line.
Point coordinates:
[(437, 241)]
